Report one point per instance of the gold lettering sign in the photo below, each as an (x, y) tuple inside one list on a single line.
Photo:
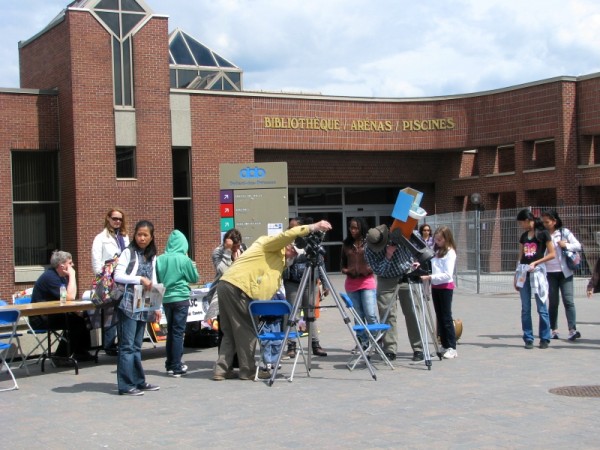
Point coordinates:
[(359, 125)]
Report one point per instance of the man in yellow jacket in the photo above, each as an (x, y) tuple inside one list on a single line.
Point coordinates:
[(255, 275)]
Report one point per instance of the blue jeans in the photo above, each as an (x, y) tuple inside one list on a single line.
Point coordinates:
[(176, 314), (270, 349), (558, 286), (130, 373), (365, 304), (526, 323)]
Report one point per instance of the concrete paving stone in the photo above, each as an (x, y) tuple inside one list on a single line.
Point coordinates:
[(494, 395)]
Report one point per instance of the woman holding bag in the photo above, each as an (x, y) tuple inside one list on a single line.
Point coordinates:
[(560, 277), (131, 379), (110, 242)]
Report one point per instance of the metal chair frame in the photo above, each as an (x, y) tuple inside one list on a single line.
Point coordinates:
[(281, 309), (373, 331)]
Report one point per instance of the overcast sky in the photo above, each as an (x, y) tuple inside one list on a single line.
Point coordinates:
[(367, 48)]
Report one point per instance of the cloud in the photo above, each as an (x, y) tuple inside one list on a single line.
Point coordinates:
[(388, 48)]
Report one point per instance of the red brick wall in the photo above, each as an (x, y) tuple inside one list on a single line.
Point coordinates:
[(78, 60), (27, 122)]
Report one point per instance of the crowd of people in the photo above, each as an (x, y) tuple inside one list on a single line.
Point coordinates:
[(376, 268)]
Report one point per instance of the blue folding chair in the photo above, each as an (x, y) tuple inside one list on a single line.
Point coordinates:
[(373, 331), (274, 309), (16, 335), (9, 318), (55, 336)]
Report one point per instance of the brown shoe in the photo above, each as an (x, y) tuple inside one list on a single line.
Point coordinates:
[(318, 351), (230, 375)]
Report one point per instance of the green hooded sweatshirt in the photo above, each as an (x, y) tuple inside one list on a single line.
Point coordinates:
[(175, 269)]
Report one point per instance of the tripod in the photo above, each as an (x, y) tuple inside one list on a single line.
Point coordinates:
[(315, 270), (422, 311)]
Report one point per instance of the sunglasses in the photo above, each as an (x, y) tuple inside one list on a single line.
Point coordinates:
[(117, 219)]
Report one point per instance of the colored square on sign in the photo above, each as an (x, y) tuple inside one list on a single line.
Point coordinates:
[(227, 196), (227, 210), (227, 224), (402, 206)]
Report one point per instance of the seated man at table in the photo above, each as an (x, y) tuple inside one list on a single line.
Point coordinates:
[(47, 287)]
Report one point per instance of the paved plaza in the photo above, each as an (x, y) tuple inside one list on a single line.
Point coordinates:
[(494, 395)]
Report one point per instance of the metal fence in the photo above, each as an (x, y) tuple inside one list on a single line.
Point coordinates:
[(489, 267)]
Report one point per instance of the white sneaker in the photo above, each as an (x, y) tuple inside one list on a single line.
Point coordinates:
[(450, 354)]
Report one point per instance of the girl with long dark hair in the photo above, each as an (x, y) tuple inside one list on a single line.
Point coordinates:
[(535, 249)]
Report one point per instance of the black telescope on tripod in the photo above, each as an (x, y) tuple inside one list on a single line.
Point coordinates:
[(415, 245)]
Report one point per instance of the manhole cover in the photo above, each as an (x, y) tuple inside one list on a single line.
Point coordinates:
[(577, 391)]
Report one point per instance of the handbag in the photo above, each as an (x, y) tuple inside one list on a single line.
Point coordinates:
[(103, 284), (104, 288), (572, 258)]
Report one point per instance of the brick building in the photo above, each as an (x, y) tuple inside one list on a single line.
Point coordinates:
[(102, 119)]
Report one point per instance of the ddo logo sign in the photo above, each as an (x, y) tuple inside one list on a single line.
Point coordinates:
[(256, 172)]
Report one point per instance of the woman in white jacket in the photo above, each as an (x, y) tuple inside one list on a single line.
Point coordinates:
[(560, 277), (110, 242), (442, 288)]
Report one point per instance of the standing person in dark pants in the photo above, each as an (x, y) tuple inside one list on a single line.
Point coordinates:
[(442, 288), (256, 275), (390, 263), (560, 277), (176, 270), (110, 242)]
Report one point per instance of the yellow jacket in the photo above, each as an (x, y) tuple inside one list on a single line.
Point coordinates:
[(257, 272)]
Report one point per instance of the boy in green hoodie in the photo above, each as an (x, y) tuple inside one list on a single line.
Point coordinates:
[(176, 270)]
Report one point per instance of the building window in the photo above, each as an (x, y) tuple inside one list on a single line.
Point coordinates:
[(121, 18), (182, 195), (505, 159), (539, 154), (36, 206), (126, 162), (589, 150), (469, 164)]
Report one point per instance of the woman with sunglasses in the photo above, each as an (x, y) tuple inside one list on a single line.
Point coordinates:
[(110, 242), (425, 232)]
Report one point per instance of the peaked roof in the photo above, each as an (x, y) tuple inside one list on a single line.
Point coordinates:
[(184, 50)]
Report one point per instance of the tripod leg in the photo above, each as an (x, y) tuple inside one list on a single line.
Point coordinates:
[(346, 319), (292, 324), (418, 309)]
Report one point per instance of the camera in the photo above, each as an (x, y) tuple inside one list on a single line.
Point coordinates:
[(311, 244)]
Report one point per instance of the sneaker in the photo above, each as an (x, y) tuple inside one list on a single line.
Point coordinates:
[(555, 334), (148, 387), (183, 368), (132, 392), (450, 354), (543, 344), (574, 334), (230, 375), (178, 373), (529, 345)]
